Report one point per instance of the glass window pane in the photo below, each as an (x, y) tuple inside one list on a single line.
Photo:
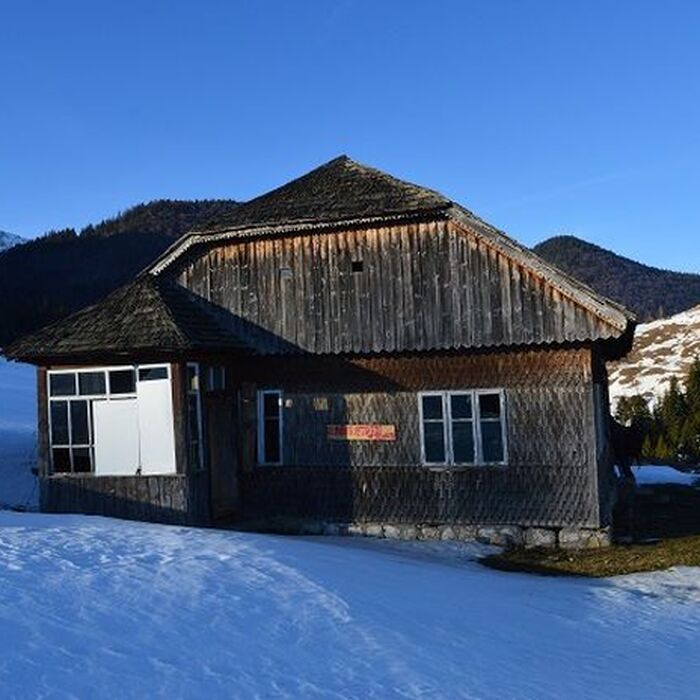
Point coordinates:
[(271, 405), (463, 442), (122, 381), (272, 441), (490, 405), (62, 384), (192, 378), (461, 406), (432, 407), (91, 383), (218, 378), (80, 434), (61, 459), (59, 423), (193, 415), (492, 441), (81, 459), (434, 439), (148, 374)]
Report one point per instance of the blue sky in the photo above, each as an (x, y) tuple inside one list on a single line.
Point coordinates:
[(542, 117)]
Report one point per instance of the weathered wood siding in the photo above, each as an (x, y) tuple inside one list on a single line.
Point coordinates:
[(423, 286), (174, 499), (552, 475)]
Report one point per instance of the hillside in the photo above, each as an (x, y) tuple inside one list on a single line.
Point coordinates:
[(662, 349), (49, 277), (648, 291), (7, 240)]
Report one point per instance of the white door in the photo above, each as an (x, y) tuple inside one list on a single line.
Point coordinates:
[(116, 425), (155, 420)]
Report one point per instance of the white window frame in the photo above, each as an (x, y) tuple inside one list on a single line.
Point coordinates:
[(107, 396), (200, 424), (261, 426), (476, 419)]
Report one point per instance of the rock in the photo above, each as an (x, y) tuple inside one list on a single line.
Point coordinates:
[(448, 533), (501, 535), (539, 537), (373, 530), (570, 538), (408, 532), (465, 533), (429, 532), (393, 532)]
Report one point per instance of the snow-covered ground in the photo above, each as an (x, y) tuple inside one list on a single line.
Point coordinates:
[(662, 349), (98, 608), (646, 475), (18, 486), (17, 396)]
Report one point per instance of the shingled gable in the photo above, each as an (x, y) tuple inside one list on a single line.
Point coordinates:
[(345, 193), (148, 315)]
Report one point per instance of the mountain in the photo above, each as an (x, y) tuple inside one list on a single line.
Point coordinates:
[(8, 240), (49, 277), (650, 292), (662, 349)]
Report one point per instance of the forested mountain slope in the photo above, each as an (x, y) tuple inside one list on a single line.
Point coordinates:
[(648, 291), (46, 278)]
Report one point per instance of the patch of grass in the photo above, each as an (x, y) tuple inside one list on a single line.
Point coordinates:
[(599, 563)]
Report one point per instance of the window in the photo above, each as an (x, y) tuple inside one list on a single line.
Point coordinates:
[(70, 431), (463, 427), (62, 384), (151, 374), (357, 266), (194, 417), (216, 378), (72, 397), (91, 383), (70, 422), (270, 426), (122, 381)]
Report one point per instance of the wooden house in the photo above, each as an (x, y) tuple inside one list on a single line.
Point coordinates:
[(347, 352)]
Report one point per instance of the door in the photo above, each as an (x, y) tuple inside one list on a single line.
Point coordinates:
[(155, 420), (223, 463), (116, 425)]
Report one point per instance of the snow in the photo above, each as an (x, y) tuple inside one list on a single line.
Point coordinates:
[(8, 240), (17, 396), (646, 475), (662, 349), (18, 487), (99, 608)]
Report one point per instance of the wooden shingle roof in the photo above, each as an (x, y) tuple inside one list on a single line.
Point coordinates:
[(339, 190), (148, 315)]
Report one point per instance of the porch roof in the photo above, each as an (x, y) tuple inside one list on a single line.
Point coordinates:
[(151, 314)]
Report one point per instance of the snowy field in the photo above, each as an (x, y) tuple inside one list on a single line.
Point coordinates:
[(97, 608), (650, 475), (17, 435)]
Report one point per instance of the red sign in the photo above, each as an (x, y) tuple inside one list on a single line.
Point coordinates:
[(375, 433)]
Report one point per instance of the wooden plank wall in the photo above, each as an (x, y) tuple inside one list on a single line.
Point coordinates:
[(551, 479), (166, 499), (423, 286)]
